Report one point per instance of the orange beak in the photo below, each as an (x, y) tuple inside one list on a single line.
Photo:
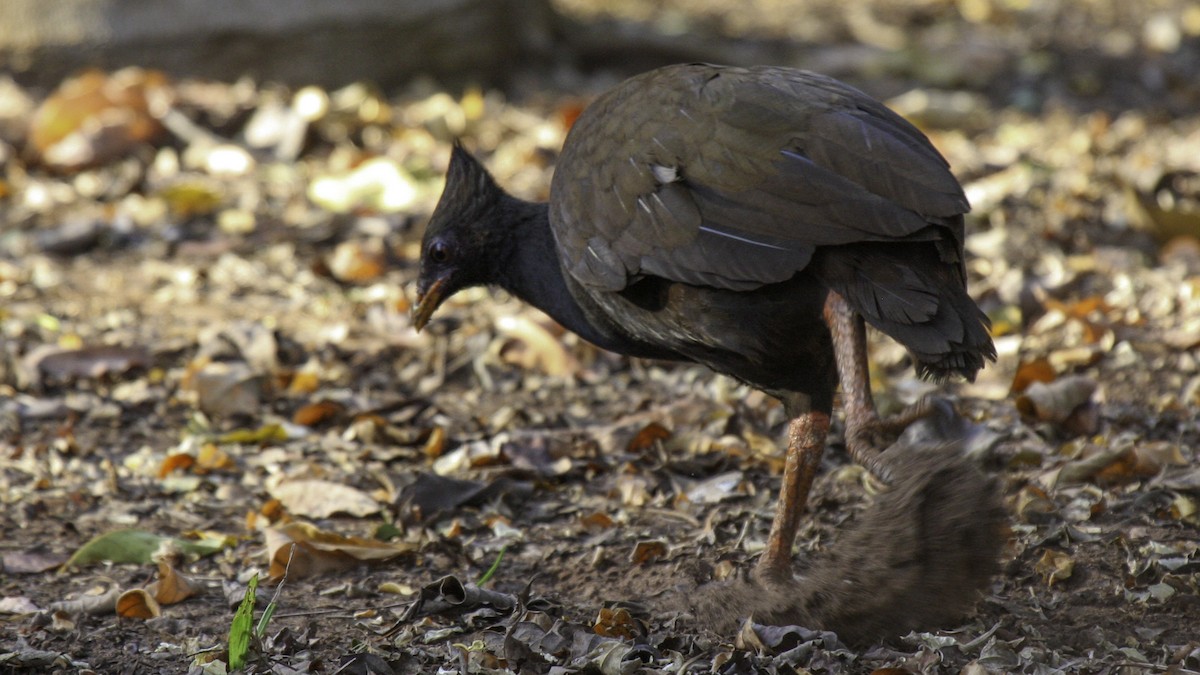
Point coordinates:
[(427, 302)]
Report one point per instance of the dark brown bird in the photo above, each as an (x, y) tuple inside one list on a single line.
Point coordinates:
[(748, 219)]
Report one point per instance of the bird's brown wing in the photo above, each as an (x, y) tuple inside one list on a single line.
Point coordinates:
[(731, 178)]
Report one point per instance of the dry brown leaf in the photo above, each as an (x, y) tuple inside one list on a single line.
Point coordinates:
[(273, 510), (634, 490), (532, 346), (317, 551), (645, 438), (1038, 370), (180, 461), (1140, 461), (137, 603), (1054, 566), (17, 605), (1184, 508), (210, 457), (322, 499), (714, 489), (748, 639), (597, 521), (1084, 468), (435, 445), (1078, 309), (356, 262), (304, 382), (615, 623), (724, 570), (171, 587), (95, 117), (320, 412), (1033, 502), (648, 551), (1066, 402), (396, 588), (98, 601)]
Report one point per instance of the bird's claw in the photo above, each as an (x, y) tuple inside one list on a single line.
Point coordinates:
[(868, 442)]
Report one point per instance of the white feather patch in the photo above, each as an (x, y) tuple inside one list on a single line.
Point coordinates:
[(664, 174)]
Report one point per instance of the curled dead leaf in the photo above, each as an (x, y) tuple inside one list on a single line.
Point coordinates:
[(1066, 403), (102, 601), (318, 551), (1089, 464), (724, 571), (435, 445), (137, 603), (748, 640), (171, 587)]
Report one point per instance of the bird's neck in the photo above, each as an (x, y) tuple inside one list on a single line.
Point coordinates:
[(532, 273)]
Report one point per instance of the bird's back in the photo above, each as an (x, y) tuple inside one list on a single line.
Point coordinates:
[(758, 182)]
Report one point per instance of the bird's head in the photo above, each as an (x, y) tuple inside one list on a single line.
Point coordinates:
[(461, 242)]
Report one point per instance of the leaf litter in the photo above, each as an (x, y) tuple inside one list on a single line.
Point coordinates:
[(203, 300)]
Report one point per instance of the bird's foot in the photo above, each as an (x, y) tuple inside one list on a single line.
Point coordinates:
[(867, 440)]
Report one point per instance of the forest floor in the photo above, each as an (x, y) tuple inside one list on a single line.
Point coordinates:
[(206, 354)]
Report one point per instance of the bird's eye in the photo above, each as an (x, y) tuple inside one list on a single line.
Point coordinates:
[(439, 252)]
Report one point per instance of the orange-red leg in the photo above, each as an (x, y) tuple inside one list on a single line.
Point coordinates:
[(866, 434), (806, 443)]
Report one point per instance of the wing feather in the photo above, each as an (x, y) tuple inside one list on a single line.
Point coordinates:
[(759, 168)]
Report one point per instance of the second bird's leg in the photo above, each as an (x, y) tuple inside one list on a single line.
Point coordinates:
[(866, 434), (806, 443)]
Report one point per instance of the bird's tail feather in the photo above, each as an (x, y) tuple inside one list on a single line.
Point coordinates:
[(907, 291)]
